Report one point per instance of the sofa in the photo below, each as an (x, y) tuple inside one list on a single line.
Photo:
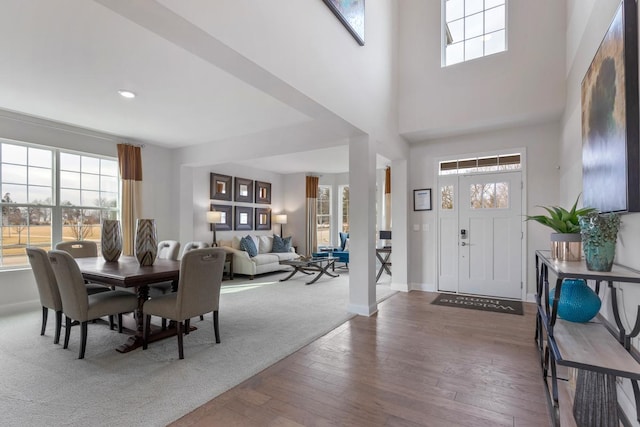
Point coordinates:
[(265, 262)]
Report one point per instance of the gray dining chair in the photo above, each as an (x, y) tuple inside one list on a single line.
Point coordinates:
[(47, 288), (189, 246), (83, 249), (167, 249), (198, 293), (78, 305)]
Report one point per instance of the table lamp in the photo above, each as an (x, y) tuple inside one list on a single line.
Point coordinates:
[(214, 217), (280, 219)]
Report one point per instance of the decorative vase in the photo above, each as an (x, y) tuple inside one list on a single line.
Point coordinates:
[(566, 246), (146, 244), (599, 235), (111, 240), (578, 302)]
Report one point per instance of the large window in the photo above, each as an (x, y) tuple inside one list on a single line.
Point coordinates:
[(32, 213), (323, 215), (344, 208), (472, 29)]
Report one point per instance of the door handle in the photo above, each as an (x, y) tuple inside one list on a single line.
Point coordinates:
[(463, 243)]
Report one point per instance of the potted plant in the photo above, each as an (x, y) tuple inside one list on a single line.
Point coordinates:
[(566, 242)]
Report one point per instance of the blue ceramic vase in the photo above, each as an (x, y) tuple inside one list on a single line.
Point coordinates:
[(578, 302)]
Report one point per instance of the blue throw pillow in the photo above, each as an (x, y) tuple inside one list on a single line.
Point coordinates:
[(343, 240), (246, 244), (281, 245)]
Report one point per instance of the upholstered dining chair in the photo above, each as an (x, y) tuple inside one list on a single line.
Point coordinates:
[(83, 249), (198, 293), (78, 305), (47, 288), (167, 249), (189, 247)]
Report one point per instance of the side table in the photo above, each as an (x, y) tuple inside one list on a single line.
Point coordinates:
[(229, 259)]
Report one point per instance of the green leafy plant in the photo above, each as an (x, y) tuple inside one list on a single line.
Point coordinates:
[(560, 219)]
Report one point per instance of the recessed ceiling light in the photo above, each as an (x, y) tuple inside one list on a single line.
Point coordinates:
[(126, 93)]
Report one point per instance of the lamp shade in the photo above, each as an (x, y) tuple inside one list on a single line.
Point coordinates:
[(280, 219), (214, 217)]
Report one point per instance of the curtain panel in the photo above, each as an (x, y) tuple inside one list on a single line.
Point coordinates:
[(387, 198), (311, 237), (130, 164)]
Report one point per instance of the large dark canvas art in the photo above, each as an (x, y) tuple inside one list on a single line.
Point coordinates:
[(610, 152)]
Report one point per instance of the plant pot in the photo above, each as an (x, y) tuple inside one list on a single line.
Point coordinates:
[(577, 302), (146, 244), (111, 240), (566, 246), (599, 235)]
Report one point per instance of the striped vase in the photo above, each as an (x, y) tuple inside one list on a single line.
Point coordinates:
[(146, 245), (111, 240)]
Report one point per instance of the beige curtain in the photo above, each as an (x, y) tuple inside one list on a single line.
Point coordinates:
[(311, 238), (387, 198), (130, 163)]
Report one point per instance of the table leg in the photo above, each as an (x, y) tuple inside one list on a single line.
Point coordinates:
[(322, 271)]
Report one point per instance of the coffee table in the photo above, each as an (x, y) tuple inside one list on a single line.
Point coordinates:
[(311, 266)]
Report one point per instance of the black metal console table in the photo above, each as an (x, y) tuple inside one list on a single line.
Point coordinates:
[(593, 346)]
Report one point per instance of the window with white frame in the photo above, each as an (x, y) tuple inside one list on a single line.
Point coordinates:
[(472, 29), (343, 209), (32, 213), (323, 215)]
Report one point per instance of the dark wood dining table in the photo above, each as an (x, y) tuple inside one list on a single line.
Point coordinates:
[(127, 273)]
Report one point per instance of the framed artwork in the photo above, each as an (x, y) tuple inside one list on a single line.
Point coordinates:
[(263, 219), (220, 187), (243, 190), (351, 14), (244, 218), (263, 192), (225, 219), (422, 199), (610, 146)]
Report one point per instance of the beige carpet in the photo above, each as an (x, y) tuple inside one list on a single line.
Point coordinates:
[(261, 322)]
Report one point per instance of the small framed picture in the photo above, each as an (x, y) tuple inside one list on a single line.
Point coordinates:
[(422, 199), (220, 187), (225, 217), (263, 192), (243, 190), (244, 218), (263, 219)]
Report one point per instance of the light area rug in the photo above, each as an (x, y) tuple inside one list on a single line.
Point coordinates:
[(261, 322)]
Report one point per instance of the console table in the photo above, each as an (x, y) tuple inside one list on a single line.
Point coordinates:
[(594, 346)]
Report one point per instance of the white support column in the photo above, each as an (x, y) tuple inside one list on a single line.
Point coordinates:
[(399, 225), (362, 226)]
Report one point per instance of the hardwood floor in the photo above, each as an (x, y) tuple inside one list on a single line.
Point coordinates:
[(412, 364)]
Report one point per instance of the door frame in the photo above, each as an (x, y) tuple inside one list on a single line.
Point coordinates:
[(524, 245)]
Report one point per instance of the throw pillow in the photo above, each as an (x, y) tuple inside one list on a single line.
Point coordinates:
[(246, 244), (343, 240), (346, 245), (281, 245)]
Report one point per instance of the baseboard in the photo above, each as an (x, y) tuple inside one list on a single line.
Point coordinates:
[(19, 307), (531, 298), (425, 287), (362, 310), (402, 287)]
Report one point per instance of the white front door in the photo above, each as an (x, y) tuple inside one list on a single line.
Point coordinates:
[(480, 234)]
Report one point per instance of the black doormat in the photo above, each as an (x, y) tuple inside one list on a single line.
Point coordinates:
[(479, 303)]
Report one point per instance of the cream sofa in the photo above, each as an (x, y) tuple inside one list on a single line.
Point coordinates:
[(265, 262)]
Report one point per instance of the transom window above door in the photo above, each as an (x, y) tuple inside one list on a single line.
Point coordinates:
[(473, 29)]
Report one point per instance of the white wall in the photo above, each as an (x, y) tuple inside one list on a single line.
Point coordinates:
[(18, 287), (541, 144), (525, 84)]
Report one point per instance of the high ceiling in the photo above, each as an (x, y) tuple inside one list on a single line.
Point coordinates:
[(66, 60)]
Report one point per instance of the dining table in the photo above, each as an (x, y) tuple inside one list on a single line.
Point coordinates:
[(127, 272)]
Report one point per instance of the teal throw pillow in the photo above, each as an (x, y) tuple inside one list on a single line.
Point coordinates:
[(343, 240), (246, 244), (281, 245)]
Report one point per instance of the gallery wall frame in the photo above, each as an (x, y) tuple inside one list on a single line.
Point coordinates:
[(243, 190), (351, 14), (220, 187), (225, 224), (263, 192), (610, 143), (422, 199), (243, 218), (263, 219)]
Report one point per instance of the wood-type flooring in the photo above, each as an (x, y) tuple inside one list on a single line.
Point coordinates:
[(411, 364)]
